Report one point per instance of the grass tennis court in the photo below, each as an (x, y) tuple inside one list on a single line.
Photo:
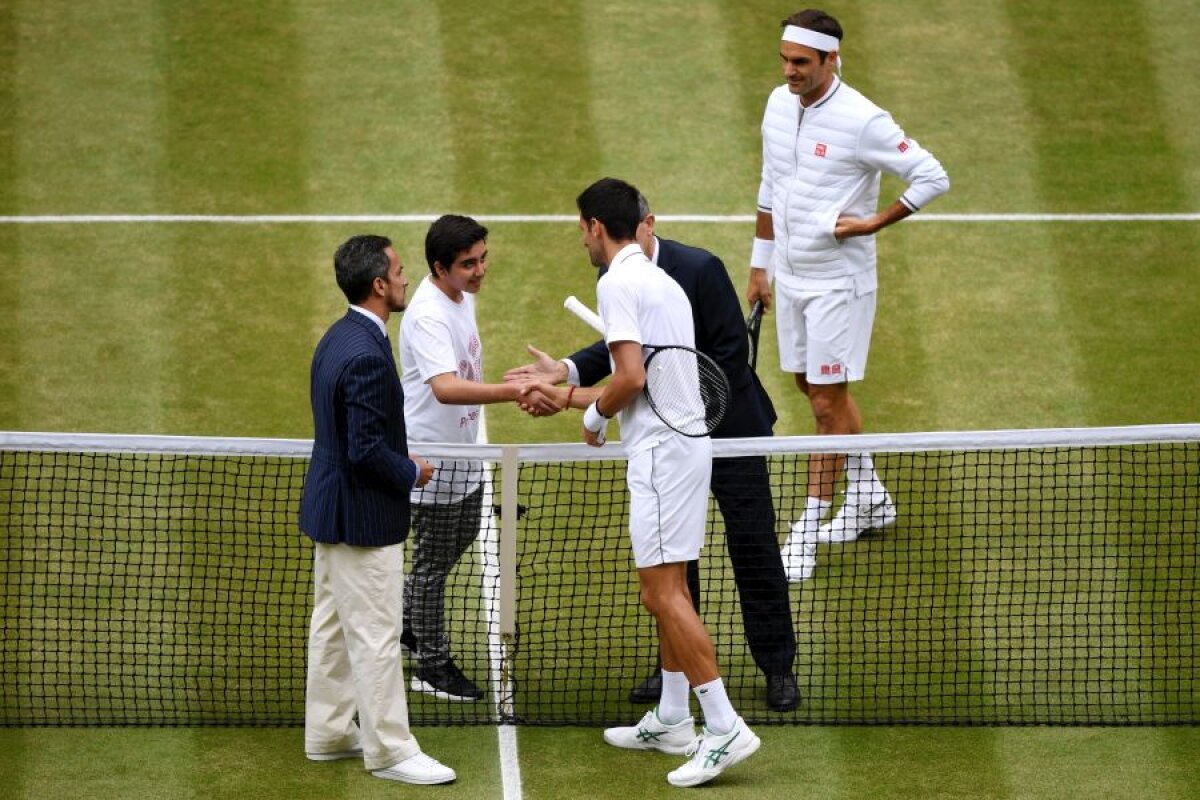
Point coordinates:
[(424, 107)]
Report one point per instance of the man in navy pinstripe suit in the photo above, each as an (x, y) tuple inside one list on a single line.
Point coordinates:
[(355, 509)]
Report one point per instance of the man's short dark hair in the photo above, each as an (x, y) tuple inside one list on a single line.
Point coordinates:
[(450, 235), (816, 20), (358, 262), (614, 203)]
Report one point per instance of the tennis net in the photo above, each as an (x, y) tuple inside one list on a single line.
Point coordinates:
[(1033, 577)]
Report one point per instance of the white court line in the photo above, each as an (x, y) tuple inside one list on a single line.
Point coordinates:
[(488, 545), (278, 219)]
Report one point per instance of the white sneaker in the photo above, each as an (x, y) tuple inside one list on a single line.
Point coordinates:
[(335, 755), (653, 734), (711, 755), (799, 553), (420, 769), (855, 518)]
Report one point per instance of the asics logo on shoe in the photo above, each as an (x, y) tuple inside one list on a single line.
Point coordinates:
[(717, 753), (645, 735)]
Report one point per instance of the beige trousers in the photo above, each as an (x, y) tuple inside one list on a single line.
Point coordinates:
[(354, 655)]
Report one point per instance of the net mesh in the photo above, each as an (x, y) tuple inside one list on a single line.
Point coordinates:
[(1022, 584)]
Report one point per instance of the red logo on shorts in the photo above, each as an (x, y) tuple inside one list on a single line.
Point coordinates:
[(903, 146), (831, 369), (821, 149)]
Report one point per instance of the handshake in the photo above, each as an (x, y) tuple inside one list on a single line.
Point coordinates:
[(539, 395)]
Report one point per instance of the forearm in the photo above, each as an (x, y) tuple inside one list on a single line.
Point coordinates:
[(891, 215), (452, 390), (618, 393), (764, 225), (848, 227)]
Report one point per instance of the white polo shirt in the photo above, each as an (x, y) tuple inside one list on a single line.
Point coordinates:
[(639, 302)]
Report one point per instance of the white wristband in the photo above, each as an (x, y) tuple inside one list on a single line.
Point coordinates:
[(594, 421), (761, 252)]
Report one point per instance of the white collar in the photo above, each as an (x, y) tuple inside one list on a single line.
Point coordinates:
[(833, 87), (626, 252), (371, 316)]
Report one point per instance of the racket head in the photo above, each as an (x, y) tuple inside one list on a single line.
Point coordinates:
[(753, 326), (686, 389)]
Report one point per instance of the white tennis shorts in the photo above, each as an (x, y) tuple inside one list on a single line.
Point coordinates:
[(668, 500), (824, 334)]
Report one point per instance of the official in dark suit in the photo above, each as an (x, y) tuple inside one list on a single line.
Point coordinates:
[(355, 509), (740, 485)]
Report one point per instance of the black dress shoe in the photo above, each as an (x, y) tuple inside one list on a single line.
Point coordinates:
[(648, 691), (782, 694)]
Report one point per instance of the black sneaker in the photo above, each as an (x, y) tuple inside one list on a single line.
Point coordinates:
[(648, 691), (445, 681), (782, 693)]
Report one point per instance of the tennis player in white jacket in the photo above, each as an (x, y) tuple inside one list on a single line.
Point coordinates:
[(825, 146)]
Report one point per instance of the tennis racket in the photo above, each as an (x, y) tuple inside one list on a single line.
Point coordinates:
[(684, 387), (753, 326)]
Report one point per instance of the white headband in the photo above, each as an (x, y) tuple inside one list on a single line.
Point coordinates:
[(817, 41)]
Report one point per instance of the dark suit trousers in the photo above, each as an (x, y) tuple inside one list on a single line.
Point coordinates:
[(743, 492)]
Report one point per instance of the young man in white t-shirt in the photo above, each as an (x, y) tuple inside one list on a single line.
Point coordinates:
[(441, 358), (668, 477)]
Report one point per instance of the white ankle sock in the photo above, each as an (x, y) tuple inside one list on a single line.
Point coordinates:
[(673, 704), (719, 716), (862, 480)]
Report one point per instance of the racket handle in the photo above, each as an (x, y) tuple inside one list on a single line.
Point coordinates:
[(577, 308)]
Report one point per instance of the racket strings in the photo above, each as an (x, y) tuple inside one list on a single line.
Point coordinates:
[(688, 391)]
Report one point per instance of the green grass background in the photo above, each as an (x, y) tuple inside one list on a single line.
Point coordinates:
[(427, 107)]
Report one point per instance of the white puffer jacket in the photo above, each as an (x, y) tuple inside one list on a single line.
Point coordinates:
[(825, 161)]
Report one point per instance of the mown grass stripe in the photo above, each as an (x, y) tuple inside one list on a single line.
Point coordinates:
[(636, 70), (10, 256), (1176, 58), (1099, 131), (1084, 114), (236, 138), (1106, 275), (521, 101), (375, 107), (101, 62)]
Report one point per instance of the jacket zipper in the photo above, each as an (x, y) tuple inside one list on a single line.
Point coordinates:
[(787, 201)]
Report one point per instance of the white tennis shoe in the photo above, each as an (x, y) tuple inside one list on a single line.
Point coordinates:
[(855, 518), (711, 755), (799, 553), (653, 734), (420, 769), (335, 755)]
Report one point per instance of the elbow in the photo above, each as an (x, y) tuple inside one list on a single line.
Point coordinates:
[(442, 392), (361, 454)]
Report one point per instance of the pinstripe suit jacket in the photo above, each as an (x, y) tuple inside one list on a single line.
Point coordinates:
[(720, 335), (357, 486)]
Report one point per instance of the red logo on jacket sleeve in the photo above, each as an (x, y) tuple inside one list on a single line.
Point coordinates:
[(820, 149), (903, 146)]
